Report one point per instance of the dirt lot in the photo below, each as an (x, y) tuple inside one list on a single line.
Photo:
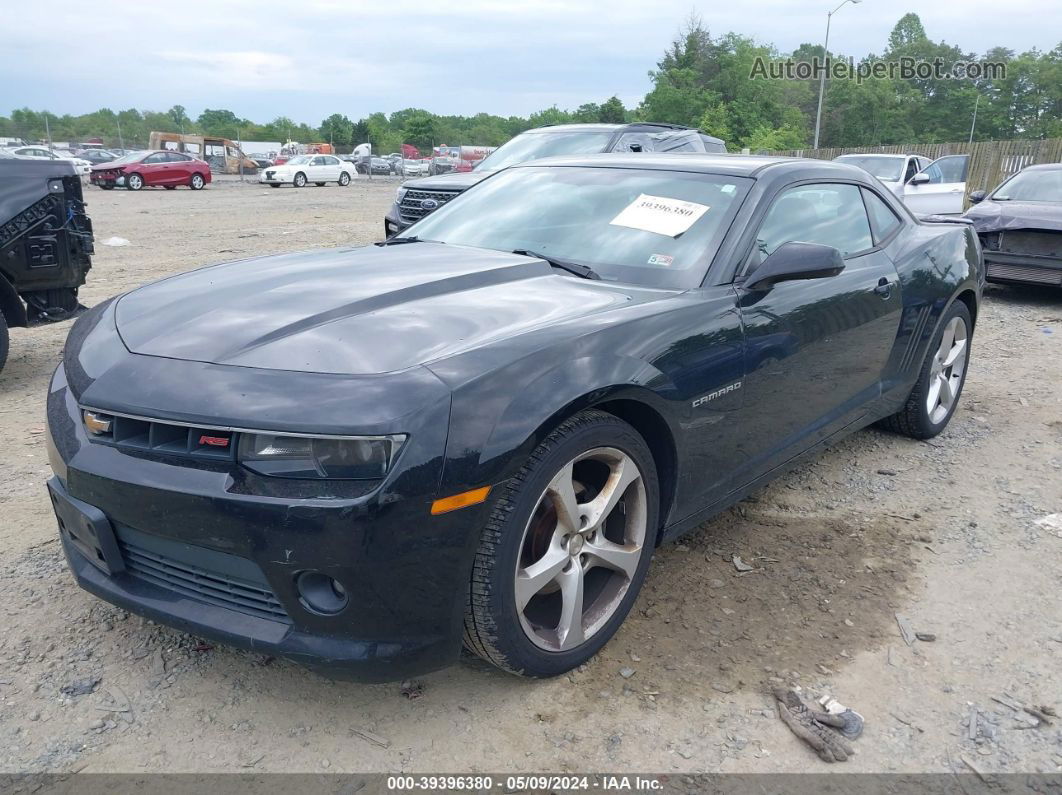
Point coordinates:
[(942, 533)]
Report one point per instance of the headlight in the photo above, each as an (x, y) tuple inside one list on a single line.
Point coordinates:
[(400, 195), (357, 458)]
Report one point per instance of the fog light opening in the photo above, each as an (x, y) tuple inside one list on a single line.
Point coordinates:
[(320, 593)]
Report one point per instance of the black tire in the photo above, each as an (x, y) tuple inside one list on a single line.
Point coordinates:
[(299, 181), (4, 340), (134, 182), (493, 628), (344, 179), (914, 418), (319, 184), (196, 182)]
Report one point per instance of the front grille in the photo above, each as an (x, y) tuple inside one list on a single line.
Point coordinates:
[(269, 174), (162, 438), (221, 589), (1031, 243), (1019, 273), (410, 210)]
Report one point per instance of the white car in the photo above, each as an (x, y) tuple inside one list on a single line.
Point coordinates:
[(81, 166), (927, 187), (414, 168), (304, 169)]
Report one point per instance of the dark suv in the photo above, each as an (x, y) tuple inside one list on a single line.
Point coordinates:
[(416, 198), (45, 243)]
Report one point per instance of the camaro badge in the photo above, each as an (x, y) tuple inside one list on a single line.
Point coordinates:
[(716, 394)]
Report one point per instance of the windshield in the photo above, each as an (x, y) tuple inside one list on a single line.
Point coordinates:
[(652, 227), (536, 145), (133, 157), (1032, 186), (888, 169)]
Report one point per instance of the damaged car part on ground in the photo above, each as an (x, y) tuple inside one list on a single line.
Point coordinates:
[(1020, 226), (45, 243), (445, 442)]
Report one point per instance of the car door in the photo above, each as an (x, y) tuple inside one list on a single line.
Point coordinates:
[(178, 169), (816, 349), (940, 188), (152, 168), (332, 164)]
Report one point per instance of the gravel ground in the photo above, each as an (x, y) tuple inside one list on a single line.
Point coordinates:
[(943, 534)]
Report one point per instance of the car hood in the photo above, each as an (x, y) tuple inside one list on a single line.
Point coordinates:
[(357, 311), (993, 216), (456, 181)]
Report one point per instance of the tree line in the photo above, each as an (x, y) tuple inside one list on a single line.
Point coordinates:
[(701, 81)]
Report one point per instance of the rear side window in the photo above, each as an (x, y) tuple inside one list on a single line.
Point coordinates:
[(824, 213), (882, 218)]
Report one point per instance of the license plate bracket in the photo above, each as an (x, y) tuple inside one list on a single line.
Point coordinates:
[(87, 529)]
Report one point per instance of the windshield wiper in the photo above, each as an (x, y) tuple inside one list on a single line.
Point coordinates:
[(583, 271), (394, 241)]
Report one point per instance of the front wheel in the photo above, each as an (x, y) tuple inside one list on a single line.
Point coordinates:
[(197, 182), (300, 180), (134, 182), (565, 550), (936, 393), (344, 179)]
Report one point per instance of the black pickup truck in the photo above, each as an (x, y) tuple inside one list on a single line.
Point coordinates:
[(45, 243)]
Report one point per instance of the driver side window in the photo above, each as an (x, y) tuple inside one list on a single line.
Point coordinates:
[(824, 213)]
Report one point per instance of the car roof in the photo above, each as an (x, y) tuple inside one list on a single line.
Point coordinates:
[(1044, 167), (880, 154), (601, 127), (726, 165)]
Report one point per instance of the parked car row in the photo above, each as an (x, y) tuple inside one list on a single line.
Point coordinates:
[(33, 152)]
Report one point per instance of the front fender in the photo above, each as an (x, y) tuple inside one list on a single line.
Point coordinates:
[(498, 420)]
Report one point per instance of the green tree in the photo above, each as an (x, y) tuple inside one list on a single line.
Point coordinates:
[(612, 111), (337, 129)]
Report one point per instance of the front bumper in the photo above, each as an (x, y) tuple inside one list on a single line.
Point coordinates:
[(405, 572)]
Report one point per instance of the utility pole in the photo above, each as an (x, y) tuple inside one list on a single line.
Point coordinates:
[(822, 74), (47, 131), (121, 142), (973, 124)]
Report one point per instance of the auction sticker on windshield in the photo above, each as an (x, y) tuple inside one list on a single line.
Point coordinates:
[(660, 215)]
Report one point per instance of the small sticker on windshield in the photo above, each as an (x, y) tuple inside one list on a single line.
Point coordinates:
[(660, 215), (661, 259)]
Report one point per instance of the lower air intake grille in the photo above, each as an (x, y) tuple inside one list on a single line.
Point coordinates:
[(212, 587), (1018, 273)]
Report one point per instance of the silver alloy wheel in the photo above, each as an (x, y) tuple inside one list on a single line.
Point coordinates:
[(945, 372), (197, 181), (577, 558), (135, 181)]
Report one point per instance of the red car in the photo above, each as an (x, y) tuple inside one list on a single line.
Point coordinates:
[(168, 169)]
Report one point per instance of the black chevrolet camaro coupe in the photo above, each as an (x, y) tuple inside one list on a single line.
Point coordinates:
[(362, 458)]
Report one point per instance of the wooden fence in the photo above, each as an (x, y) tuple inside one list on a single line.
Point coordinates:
[(990, 161)]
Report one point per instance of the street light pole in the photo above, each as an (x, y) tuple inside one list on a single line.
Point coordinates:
[(822, 74)]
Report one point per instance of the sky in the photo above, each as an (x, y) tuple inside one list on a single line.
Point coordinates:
[(309, 59)]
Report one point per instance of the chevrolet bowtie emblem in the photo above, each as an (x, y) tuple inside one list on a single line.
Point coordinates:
[(97, 423)]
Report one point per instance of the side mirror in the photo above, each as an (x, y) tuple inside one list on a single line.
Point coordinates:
[(794, 261), (977, 196), (921, 178)]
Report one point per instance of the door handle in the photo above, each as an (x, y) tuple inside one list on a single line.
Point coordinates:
[(884, 288)]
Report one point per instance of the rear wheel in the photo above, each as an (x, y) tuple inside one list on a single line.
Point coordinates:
[(565, 550), (344, 179), (300, 180), (936, 393), (134, 182), (197, 182)]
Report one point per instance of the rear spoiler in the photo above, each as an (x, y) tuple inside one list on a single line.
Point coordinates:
[(944, 219)]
